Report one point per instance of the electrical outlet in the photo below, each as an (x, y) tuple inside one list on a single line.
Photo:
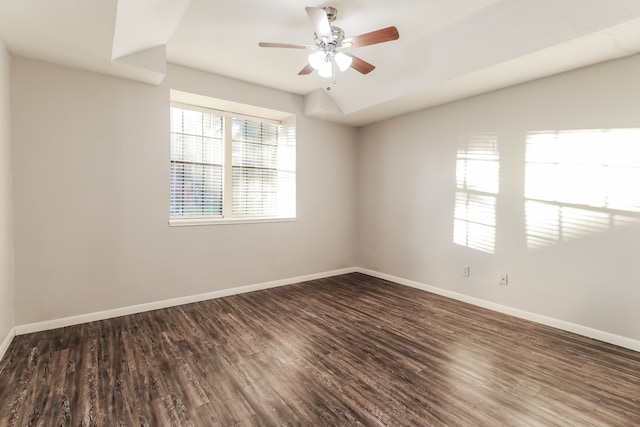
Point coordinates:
[(466, 271), (504, 279)]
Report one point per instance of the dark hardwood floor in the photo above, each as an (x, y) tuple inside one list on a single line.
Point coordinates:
[(349, 350)]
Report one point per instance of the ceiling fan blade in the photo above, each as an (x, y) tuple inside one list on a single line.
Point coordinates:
[(320, 22), (374, 37), (285, 45), (308, 69), (360, 65)]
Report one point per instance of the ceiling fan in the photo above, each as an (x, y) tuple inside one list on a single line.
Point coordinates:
[(330, 44)]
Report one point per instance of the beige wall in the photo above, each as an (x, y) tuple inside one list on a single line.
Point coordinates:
[(407, 188), (6, 231), (90, 163), (91, 171)]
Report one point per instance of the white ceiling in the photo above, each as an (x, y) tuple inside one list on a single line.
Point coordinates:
[(447, 50)]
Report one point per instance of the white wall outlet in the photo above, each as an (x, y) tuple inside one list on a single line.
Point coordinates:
[(466, 270), (504, 279)]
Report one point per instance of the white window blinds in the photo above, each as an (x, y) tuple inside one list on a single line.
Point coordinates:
[(254, 168), (229, 166), (196, 163)]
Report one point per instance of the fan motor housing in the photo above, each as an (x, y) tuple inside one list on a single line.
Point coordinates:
[(332, 13), (337, 35)]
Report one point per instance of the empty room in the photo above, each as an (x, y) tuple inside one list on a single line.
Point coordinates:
[(349, 213)]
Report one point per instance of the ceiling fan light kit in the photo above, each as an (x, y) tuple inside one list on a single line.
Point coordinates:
[(343, 61), (330, 42), (325, 62), (317, 59)]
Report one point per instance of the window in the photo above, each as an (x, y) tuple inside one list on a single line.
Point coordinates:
[(254, 168), (228, 167), (196, 163)]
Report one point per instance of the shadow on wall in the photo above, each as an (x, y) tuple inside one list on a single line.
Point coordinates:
[(477, 187), (580, 182), (577, 183)]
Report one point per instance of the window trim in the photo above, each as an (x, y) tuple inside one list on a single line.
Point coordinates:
[(229, 115), (189, 222)]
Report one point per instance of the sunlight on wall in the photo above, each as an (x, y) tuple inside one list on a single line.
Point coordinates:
[(580, 182), (477, 182)]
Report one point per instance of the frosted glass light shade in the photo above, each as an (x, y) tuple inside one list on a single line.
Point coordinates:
[(343, 61), (316, 59), (326, 69)]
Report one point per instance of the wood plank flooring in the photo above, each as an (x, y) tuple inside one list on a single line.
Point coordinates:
[(349, 350)]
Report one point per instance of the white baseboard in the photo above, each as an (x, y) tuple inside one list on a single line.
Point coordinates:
[(108, 314), (123, 311), (7, 342), (544, 320)]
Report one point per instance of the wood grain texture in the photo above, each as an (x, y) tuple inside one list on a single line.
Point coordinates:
[(349, 350)]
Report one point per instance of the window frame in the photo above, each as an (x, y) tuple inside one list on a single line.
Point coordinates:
[(227, 167)]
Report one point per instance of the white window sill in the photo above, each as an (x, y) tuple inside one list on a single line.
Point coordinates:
[(189, 222)]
